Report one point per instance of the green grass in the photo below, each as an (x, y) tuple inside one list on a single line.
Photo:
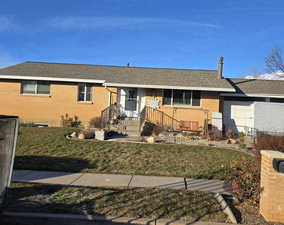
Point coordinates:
[(150, 203), (47, 149)]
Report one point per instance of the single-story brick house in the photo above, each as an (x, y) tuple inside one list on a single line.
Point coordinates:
[(42, 92)]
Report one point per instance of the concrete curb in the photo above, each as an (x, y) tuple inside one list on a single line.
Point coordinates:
[(225, 207), (106, 219)]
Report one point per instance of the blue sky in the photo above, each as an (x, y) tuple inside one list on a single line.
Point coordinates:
[(148, 33)]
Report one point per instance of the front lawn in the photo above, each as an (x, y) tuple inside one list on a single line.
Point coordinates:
[(48, 149), (133, 203)]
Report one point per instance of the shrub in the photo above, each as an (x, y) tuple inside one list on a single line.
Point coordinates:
[(157, 130), (269, 142), (229, 133), (244, 177), (214, 134), (96, 122), (148, 129), (67, 121)]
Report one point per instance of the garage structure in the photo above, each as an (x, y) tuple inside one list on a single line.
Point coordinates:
[(257, 105), (238, 116)]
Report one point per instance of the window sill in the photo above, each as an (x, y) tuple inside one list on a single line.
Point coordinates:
[(183, 106), (37, 95), (84, 102)]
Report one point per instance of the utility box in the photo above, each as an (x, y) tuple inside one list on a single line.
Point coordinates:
[(272, 184), (8, 138), (217, 120)]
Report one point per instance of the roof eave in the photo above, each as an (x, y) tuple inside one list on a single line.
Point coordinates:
[(252, 95), (15, 77)]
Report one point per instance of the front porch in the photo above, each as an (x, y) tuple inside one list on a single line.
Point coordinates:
[(133, 107)]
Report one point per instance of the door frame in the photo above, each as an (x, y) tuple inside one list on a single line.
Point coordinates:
[(140, 102)]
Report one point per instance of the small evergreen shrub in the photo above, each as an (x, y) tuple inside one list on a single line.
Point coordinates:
[(67, 121)]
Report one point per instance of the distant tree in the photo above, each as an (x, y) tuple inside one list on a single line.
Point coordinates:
[(274, 62)]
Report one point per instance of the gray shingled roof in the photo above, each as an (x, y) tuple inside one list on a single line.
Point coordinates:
[(258, 87), (121, 74)]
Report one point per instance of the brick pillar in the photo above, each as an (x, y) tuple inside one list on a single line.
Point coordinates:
[(272, 184)]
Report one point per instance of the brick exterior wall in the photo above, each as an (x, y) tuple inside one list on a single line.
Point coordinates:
[(272, 184), (49, 108)]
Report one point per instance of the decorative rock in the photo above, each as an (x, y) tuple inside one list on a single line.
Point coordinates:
[(81, 136), (73, 135), (100, 135), (150, 140), (232, 141)]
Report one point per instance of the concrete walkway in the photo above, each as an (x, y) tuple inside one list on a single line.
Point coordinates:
[(115, 180)]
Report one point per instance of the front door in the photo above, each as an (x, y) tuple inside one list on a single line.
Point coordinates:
[(129, 101)]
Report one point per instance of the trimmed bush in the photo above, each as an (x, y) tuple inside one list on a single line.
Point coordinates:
[(244, 178), (269, 142)]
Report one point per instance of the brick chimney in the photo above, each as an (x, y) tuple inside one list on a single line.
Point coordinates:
[(220, 68)]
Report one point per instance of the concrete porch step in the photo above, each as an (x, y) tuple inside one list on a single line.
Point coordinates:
[(130, 123)]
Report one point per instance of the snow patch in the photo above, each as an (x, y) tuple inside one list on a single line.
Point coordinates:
[(268, 76)]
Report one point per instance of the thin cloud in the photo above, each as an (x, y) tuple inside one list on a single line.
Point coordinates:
[(118, 22), (7, 23)]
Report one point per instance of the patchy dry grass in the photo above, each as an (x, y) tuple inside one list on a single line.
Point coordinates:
[(150, 203), (47, 149)]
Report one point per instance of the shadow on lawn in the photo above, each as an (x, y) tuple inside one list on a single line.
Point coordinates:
[(49, 163), (134, 203)]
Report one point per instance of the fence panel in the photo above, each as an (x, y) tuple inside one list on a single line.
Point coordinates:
[(8, 138)]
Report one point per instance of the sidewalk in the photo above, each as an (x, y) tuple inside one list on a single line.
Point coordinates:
[(115, 180)]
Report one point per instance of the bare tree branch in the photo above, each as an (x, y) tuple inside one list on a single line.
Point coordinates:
[(274, 62)]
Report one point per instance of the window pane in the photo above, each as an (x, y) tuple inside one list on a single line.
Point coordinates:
[(84, 92), (81, 92), (81, 97), (132, 94), (178, 97), (187, 97), (28, 87), (196, 98), (81, 88), (89, 93), (43, 87), (167, 97)]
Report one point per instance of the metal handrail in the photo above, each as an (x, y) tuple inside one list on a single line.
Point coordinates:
[(161, 118), (110, 113), (158, 117)]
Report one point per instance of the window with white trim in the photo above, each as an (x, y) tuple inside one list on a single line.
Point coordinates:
[(181, 97), (36, 87), (84, 92)]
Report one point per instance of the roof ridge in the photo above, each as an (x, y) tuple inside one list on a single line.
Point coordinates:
[(131, 67)]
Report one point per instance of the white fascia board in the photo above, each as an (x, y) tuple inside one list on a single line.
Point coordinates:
[(12, 77), (168, 87), (251, 95)]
